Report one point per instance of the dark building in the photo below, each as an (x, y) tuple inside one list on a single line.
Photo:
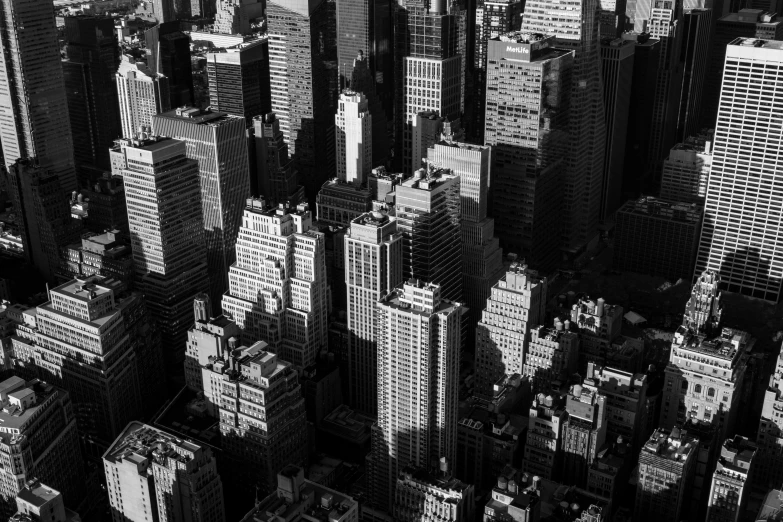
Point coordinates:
[(107, 209), (362, 81), (168, 53), (92, 59), (695, 52), (273, 176), (657, 237)]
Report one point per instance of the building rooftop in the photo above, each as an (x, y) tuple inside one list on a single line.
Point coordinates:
[(83, 289), (199, 116), (522, 37), (37, 494), (675, 445), (736, 454), (428, 179), (726, 346), (21, 401), (138, 443)]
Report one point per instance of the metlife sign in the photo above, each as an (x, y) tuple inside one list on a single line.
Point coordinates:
[(520, 50)]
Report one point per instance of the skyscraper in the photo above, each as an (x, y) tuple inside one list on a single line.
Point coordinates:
[(529, 138), (741, 196), (167, 236), (277, 286), (299, 45), (168, 54), (427, 207), (275, 178), (151, 473), (353, 138), (239, 79), (34, 120), (92, 59), (217, 142), (235, 16), (40, 431), (418, 371), (363, 81), (517, 304), (142, 95), (373, 267), (543, 448), (696, 46), (769, 466), (578, 30), (687, 170)]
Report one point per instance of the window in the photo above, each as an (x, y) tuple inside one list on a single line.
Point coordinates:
[(697, 388), (711, 392)]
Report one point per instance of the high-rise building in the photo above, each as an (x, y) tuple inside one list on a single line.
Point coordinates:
[(687, 170), (107, 255), (493, 18), (433, 69), (617, 61), (529, 137), (39, 430), (418, 371), (578, 30), (584, 432), (353, 138), (373, 267), (239, 79), (45, 222), (107, 210), (274, 178), (543, 448), (168, 54), (695, 56), (429, 129), (142, 95), (34, 120), (236, 16), (667, 465), (516, 304), (217, 142), (427, 207), (164, 10), (340, 202), (482, 258), (657, 237), (92, 59), (730, 488), (430, 497), (255, 376), (743, 188), (768, 470), (552, 355), (277, 285), (167, 235), (380, 97), (152, 475), (300, 44)]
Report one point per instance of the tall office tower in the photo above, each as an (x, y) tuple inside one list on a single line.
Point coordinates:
[(207, 338), (418, 371), (730, 488), (365, 28), (482, 257), (142, 95), (151, 473), (667, 465), (92, 59), (584, 432), (617, 62), (552, 355), (168, 54), (433, 69), (626, 403), (380, 97), (167, 236), (217, 142), (426, 496), (697, 29), (529, 137), (39, 430), (707, 395), (83, 323), (493, 18), (277, 286), (665, 24), (275, 177), (427, 207), (163, 10), (373, 267), (516, 304), (45, 225), (645, 70), (543, 453), (612, 17), (34, 120), (687, 170), (768, 470), (300, 44), (239, 79), (747, 23), (236, 16), (353, 138), (743, 189), (241, 376), (431, 129), (584, 164)]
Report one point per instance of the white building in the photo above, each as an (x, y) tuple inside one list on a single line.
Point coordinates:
[(687, 170), (142, 95), (353, 137)]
